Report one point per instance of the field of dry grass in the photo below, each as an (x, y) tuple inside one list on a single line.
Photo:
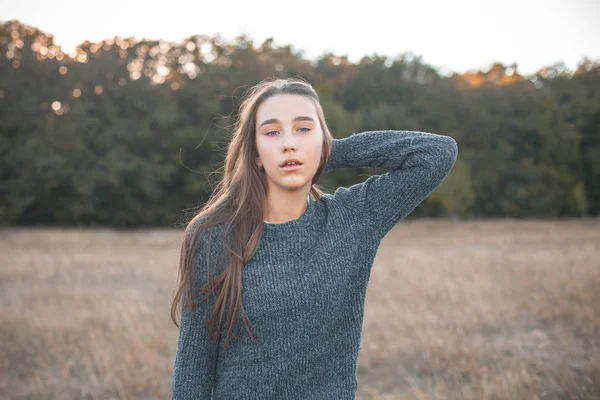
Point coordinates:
[(455, 310)]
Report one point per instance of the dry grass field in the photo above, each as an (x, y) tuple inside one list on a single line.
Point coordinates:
[(455, 310)]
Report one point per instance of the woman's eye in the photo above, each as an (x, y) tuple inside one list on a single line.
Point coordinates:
[(306, 130)]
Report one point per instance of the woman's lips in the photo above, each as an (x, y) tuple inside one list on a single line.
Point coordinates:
[(291, 167)]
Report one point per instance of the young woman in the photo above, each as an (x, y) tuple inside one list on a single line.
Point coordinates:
[(271, 250)]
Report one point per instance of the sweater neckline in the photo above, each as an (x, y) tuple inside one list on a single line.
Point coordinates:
[(286, 228)]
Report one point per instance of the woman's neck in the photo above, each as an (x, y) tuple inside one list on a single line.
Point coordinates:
[(280, 211)]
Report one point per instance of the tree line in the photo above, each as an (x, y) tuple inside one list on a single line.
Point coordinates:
[(127, 133)]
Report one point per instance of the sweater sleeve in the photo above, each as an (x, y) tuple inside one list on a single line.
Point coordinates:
[(196, 355), (417, 162)]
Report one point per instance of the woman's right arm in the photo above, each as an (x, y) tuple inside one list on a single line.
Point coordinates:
[(196, 355)]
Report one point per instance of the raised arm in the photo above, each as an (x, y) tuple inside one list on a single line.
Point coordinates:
[(417, 162), (196, 355)]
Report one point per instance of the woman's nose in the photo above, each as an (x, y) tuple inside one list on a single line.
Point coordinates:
[(288, 141)]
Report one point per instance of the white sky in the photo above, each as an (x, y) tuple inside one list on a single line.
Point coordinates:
[(456, 36)]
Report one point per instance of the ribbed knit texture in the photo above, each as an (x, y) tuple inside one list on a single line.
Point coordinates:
[(304, 288)]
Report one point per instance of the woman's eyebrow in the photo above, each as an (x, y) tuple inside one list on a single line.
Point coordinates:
[(275, 120)]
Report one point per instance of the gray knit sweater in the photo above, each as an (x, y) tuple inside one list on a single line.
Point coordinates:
[(304, 288)]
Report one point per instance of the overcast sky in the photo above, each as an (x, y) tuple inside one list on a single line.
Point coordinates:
[(456, 36)]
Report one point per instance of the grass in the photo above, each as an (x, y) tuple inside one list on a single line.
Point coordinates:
[(499, 309)]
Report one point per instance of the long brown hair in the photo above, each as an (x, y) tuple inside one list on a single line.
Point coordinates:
[(238, 202)]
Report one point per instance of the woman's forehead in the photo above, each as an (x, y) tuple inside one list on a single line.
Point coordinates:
[(285, 108)]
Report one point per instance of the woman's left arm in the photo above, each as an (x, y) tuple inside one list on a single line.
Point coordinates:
[(417, 162)]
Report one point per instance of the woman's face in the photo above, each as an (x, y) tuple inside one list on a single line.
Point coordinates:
[(287, 126)]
